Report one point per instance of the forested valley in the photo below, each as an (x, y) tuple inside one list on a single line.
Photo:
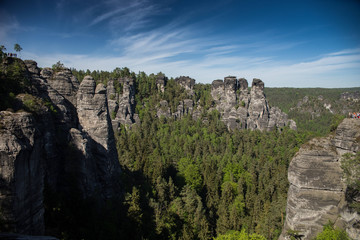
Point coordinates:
[(195, 179), (192, 179)]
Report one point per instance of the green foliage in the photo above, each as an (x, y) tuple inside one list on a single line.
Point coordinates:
[(17, 47), (239, 235), (51, 107), (202, 95), (350, 163), (219, 180), (113, 115), (182, 179), (189, 169), (13, 80), (331, 233), (293, 234), (58, 66), (2, 52)]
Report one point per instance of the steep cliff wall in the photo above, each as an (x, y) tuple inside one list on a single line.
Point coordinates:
[(21, 173), (317, 192), (65, 142)]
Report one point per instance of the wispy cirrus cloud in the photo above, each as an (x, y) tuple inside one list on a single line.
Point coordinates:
[(323, 71), (177, 49), (122, 16)]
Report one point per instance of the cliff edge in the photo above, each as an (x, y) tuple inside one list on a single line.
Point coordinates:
[(317, 192)]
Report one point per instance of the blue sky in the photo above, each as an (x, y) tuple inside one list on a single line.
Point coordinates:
[(289, 43)]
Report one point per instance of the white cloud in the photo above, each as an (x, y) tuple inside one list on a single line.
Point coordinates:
[(328, 71), (179, 51)]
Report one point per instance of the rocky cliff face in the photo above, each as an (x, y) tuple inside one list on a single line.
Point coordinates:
[(242, 109), (239, 108), (317, 192), (67, 142), (187, 83), (52, 145), (121, 101), (21, 161)]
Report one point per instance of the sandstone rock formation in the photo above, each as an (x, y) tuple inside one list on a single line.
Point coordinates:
[(161, 81), (21, 173), (355, 96), (122, 102), (73, 135), (163, 109), (187, 83), (317, 192), (239, 108), (72, 138), (243, 110)]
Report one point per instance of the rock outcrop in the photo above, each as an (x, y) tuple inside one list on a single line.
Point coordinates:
[(187, 83), (121, 99), (241, 109), (161, 82), (317, 192), (69, 137), (354, 96)]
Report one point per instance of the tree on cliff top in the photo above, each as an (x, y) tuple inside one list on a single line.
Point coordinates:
[(58, 66), (17, 48), (2, 49)]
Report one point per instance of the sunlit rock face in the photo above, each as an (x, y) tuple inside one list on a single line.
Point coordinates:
[(161, 82), (241, 109), (121, 102), (317, 192), (187, 83)]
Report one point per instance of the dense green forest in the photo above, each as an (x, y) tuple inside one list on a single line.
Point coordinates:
[(187, 179)]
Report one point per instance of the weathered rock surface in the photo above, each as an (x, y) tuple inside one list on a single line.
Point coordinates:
[(65, 84), (187, 83), (122, 102), (243, 110), (355, 96), (161, 82), (21, 173), (317, 190), (75, 139), (163, 109), (239, 108)]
